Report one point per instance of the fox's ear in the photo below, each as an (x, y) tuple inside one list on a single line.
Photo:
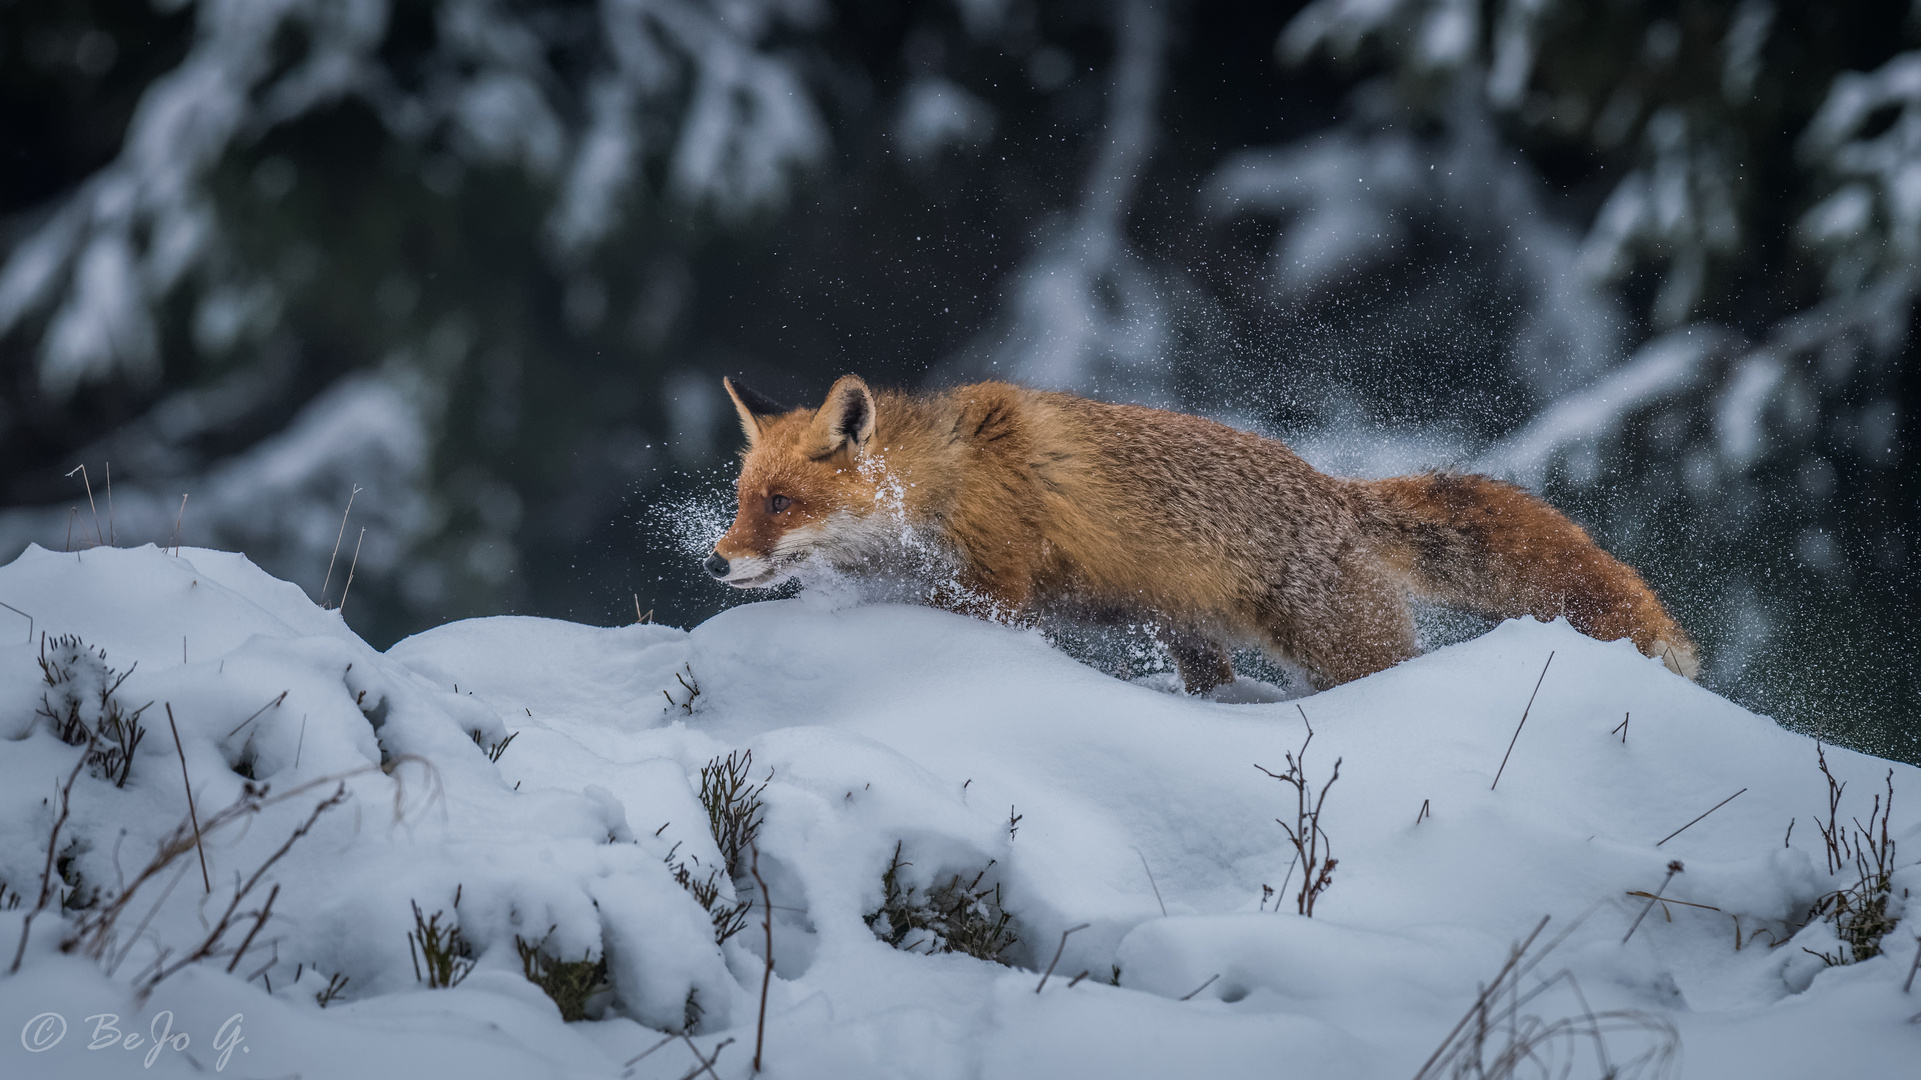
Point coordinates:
[(845, 421), (752, 405)]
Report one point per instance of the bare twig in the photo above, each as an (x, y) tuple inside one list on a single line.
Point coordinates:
[(1062, 947), (767, 975), (1423, 814), (1690, 824), (175, 544), (82, 470), (1831, 833), (256, 715), (334, 986), (191, 814), (1190, 994), (1673, 869), (111, 537), (348, 587), (121, 957), (706, 1063), (1914, 967), (1150, 882), (1666, 900), (1621, 729), (635, 1060), (209, 946), (1312, 848), (266, 912), (1522, 724), (46, 874), (23, 615), (337, 538)]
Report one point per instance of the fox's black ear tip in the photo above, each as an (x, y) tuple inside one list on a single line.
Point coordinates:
[(752, 400)]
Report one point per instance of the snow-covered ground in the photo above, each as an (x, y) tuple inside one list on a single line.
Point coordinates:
[(1086, 799)]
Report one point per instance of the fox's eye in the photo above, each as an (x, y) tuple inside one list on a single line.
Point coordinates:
[(777, 503)]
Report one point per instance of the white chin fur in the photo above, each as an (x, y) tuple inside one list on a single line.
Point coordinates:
[(752, 573)]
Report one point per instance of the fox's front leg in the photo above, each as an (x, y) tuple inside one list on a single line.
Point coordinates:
[(993, 582)]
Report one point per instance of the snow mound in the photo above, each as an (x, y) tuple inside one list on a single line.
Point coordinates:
[(884, 732)]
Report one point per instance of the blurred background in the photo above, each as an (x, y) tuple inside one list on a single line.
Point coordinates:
[(478, 265)]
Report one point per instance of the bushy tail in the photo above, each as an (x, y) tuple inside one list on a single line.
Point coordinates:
[(1477, 543)]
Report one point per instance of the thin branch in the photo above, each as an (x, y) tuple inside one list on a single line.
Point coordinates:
[(1151, 884), (192, 815), (1690, 824), (53, 846), (767, 975), (256, 714), (1522, 724), (82, 470), (175, 544), (337, 538), (1673, 869), (1062, 947), (23, 615), (347, 588), (706, 1063), (635, 1060), (266, 912), (1210, 982)]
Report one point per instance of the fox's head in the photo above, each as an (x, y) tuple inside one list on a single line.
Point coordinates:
[(801, 489)]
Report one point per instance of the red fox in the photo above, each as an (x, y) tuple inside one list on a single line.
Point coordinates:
[(1043, 503)]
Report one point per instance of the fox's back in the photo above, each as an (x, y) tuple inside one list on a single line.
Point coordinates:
[(1136, 502)]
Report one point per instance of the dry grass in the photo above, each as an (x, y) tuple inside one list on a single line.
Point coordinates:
[(1502, 1038)]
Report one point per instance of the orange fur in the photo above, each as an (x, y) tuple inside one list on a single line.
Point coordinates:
[(1046, 503)]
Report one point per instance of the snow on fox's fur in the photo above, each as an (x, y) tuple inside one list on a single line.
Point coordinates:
[(1047, 503)]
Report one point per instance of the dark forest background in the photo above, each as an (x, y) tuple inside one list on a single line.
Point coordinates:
[(486, 260)]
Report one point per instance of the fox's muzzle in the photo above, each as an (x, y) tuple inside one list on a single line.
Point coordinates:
[(716, 565)]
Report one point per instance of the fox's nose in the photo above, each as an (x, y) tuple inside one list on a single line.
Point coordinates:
[(716, 565)]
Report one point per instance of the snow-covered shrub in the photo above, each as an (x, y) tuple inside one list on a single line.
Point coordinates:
[(1859, 912), (953, 917), (733, 806), (729, 914), (442, 957), (571, 983), (81, 708)]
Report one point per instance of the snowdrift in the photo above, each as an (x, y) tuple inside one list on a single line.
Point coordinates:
[(890, 738)]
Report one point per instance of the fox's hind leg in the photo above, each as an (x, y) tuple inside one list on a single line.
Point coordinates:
[(1360, 626), (1202, 662)]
